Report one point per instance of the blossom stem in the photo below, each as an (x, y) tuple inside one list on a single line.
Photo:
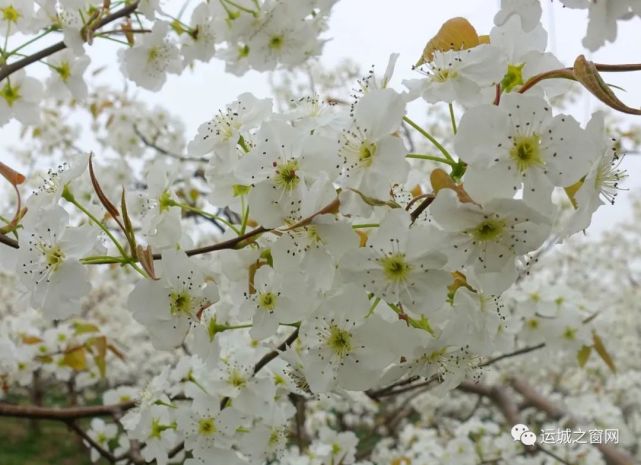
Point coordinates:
[(373, 306), (429, 137), (125, 258), (452, 117), (421, 156), (241, 8), (29, 42), (365, 225), (99, 224), (245, 209)]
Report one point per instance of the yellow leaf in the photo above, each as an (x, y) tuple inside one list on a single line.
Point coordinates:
[(100, 344), (583, 355), (81, 327), (484, 39), (31, 340), (441, 180), (454, 34), (76, 359), (603, 353)]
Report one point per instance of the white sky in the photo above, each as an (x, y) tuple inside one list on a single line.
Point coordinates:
[(368, 31)]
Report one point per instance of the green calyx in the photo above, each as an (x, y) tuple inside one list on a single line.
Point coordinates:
[(513, 77)]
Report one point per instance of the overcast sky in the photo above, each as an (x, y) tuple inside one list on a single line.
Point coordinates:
[(368, 31)]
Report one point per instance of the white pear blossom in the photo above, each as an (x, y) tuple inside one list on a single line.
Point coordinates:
[(345, 349), (400, 264), (528, 11), (603, 181), (372, 155), (274, 299), (199, 42), (101, 433), (20, 98), (48, 262), (67, 75), (461, 75), (169, 306), (149, 62), (519, 143), (490, 237)]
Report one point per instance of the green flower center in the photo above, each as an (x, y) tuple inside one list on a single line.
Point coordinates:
[(513, 77), (339, 341), (206, 427), (10, 14), (153, 54), (488, 230), (569, 333), (267, 301), (157, 428), (55, 256), (237, 379), (526, 152), (395, 267), (286, 177), (276, 42), (180, 303), (10, 94), (64, 70), (445, 74), (366, 153)]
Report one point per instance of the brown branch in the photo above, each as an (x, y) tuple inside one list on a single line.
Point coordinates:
[(266, 359), (9, 69), (63, 414), (497, 394), (80, 432), (612, 455), (617, 68), (391, 390), (9, 241), (275, 353), (524, 350), (163, 151), (229, 244)]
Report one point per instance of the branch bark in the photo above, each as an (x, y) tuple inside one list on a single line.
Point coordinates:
[(63, 414), (9, 241)]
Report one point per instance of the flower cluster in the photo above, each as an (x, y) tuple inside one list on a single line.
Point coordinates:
[(312, 254), (260, 35)]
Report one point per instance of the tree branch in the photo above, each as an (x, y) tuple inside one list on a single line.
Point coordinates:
[(63, 414), (8, 241), (612, 455), (102, 451)]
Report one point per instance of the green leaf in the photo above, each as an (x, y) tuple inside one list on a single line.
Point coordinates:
[(603, 353), (583, 355)]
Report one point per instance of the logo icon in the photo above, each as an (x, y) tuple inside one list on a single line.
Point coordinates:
[(522, 433)]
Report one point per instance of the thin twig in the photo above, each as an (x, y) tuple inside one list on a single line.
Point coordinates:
[(164, 151), (80, 432)]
